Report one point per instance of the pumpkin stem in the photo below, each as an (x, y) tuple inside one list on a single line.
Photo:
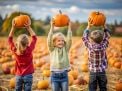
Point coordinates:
[(60, 11), (97, 12)]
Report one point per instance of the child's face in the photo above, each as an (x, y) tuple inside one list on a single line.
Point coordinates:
[(59, 42)]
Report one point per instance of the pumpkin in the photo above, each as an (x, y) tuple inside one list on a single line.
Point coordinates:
[(12, 83), (45, 66), (97, 18), (39, 63), (118, 86), (44, 84), (117, 64), (74, 73), (60, 20), (80, 81), (84, 67), (19, 21), (12, 70), (111, 61), (46, 73), (86, 78), (5, 68), (70, 79)]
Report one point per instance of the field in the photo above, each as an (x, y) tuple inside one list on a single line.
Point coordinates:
[(78, 76)]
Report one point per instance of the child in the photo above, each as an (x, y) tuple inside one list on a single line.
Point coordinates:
[(97, 57), (59, 48), (22, 51)]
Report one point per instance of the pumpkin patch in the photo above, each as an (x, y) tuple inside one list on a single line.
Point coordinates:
[(78, 75)]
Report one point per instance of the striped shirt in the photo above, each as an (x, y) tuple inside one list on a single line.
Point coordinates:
[(97, 52)]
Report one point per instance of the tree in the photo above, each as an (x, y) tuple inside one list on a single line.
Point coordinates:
[(1, 22), (82, 27), (47, 20), (37, 27), (115, 23)]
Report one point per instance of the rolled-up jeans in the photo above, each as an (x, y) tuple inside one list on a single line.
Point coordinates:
[(98, 78), (24, 82), (59, 81)]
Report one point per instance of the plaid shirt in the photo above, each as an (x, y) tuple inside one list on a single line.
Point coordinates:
[(97, 52)]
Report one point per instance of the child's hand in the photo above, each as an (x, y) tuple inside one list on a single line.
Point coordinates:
[(105, 26), (89, 25), (27, 25)]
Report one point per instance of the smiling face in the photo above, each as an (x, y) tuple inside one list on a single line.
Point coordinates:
[(59, 42)]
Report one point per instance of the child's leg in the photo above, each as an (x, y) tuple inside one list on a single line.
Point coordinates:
[(28, 80), (64, 81), (92, 82), (64, 86), (102, 81), (55, 82), (55, 86), (19, 83)]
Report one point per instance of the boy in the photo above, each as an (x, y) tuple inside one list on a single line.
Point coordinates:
[(97, 57)]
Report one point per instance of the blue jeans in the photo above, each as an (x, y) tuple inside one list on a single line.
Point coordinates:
[(98, 78), (59, 81), (24, 82)]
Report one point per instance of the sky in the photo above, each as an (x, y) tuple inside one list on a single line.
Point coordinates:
[(75, 9)]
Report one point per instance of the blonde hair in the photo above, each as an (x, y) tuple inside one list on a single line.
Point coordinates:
[(57, 35), (96, 36), (22, 43)]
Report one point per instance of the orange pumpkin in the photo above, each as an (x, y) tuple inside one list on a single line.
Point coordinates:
[(70, 79), (117, 64), (12, 70), (5, 68), (19, 21), (12, 83), (80, 81), (86, 77), (44, 84), (46, 73), (74, 73), (60, 20), (118, 86), (84, 67), (97, 18)]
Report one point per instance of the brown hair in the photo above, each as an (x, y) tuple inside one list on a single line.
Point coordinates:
[(96, 36), (22, 43)]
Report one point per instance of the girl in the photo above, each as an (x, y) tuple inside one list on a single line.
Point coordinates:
[(59, 48), (22, 51)]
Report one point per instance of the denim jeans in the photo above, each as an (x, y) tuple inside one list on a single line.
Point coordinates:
[(98, 78), (24, 82), (59, 81)]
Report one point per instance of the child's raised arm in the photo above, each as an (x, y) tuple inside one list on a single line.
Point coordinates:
[(12, 29), (86, 35), (69, 37), (10, 38), (30, 30), (107, 32), (106, 37), (33, 34), (49, 38)]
